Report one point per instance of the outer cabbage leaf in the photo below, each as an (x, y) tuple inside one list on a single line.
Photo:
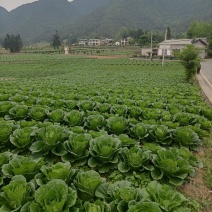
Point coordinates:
[(51, 135), (16, 193), (38, 113), (5, 107), (20, 165), (184, 118), (151, 113), (86, 105), (18, 112), (97, 206), (55, 196), (165, 196), (95, 122), (135, 112), (74, 118), (204, 123), (5, 132), (56, 115), (207, 112), (31, 207), (161, 134), (117, 125), (87, 183), (119, 109), (139, 131), (22, 137), (102, 107), (145, 206), (59, 170), (104, 150), (77, 148), (171, 165), (126, 141), (134, 159), (186, 137)]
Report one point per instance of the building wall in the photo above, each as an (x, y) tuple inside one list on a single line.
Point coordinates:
[(172, 47), (94, 42)]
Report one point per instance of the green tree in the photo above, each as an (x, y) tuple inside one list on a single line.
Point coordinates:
[(56, 42), (169, 36), (144, 40), (13, 43), (199, 29), (209, 48), (190, 58)]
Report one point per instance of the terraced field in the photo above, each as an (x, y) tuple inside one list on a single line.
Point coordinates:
[(81, 134)]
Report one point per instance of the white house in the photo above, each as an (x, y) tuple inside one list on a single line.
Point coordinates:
[(170, 46), (125, 41), (83, 42), (94, 42)]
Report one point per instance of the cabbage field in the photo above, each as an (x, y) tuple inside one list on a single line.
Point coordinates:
[(98, 135)]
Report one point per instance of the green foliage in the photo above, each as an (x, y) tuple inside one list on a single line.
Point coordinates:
[(56, 43), (87, 183), (95, 122), (22, 137), (16, 194), (104, 151), (13, 43), (5, 131), (190, 59), (55, 196), (199, 30), (20, 165), (77, 148), (48, 138), (169, 164), (166, 197), (117, 124), (186, 137), (59, 170), (97, 206), (134, 159), (101, 118)]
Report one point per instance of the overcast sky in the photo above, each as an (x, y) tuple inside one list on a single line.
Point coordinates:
[(12, 4)]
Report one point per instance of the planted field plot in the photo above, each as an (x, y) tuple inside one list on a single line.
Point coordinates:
[(98, 135)]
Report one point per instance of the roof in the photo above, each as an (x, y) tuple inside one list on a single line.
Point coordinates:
[(177, 42), (202, 40)]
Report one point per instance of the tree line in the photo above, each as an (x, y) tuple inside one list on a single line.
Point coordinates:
[(13, 43)]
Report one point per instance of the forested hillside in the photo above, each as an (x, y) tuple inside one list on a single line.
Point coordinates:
[(101, 18)]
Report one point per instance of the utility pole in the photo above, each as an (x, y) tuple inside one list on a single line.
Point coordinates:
[(151, 47), (164, 48)]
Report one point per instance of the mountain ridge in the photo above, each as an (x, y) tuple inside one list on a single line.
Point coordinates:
[(92, 18)]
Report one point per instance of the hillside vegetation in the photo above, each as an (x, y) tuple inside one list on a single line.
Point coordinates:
[(95, 18)]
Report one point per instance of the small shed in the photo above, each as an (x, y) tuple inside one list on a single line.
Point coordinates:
[(66, 49)]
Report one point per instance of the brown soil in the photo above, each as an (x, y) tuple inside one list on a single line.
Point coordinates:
[(197, 188)]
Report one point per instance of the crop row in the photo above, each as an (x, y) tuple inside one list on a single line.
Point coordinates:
[(87, 134)]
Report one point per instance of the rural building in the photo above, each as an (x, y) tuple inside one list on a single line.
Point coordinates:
[(107, 41), (83, 42), (66, 49), (117, 43), (125, 41), (94, 42), (147, 51), (169, 47)]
